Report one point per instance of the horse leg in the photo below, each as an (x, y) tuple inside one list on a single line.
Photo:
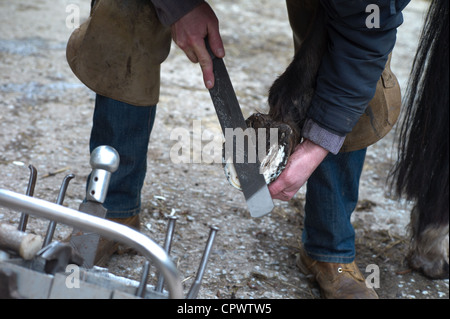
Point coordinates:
[(429, 250)]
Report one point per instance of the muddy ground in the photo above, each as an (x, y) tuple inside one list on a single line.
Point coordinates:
[(45, 121)]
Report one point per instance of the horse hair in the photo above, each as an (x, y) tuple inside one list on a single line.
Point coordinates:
[(422, 168)]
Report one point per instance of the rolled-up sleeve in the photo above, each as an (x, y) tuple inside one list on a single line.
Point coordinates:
[(170, 11), (356, 55)]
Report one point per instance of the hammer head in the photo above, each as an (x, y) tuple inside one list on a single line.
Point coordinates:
[(104, 161)]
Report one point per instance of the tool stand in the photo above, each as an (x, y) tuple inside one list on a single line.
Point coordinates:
[(58, 270)]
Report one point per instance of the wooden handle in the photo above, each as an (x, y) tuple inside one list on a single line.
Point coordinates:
[(26, 245)]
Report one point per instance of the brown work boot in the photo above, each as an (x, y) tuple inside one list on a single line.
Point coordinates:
[(336, 281), (106, 247)]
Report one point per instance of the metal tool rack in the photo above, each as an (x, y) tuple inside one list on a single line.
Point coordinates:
[(21, 278)]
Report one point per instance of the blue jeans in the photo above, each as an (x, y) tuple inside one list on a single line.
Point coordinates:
[(331, 197), (127, 128)]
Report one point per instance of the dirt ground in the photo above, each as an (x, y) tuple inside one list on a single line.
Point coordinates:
[(45, 120)]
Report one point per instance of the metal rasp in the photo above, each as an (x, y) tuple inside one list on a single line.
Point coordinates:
[(253, 184), (104, 161)]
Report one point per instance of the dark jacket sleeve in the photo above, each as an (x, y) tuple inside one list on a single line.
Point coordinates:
[(351, 67), (170, 11)]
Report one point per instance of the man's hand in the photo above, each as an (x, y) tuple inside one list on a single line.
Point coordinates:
[(301, 164), (189, 34)]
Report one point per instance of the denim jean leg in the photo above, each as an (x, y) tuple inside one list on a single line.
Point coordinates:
[(127, 128), (331, 197)]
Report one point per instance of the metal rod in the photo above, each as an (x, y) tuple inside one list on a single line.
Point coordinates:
[(109, 229), (193, 292), (62, 193), (167, 247), (140, 292), (30, 191)]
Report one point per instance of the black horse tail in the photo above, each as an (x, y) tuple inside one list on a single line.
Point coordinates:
[(420, 173)]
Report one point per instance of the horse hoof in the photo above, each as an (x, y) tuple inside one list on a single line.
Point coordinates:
[(277, 148)]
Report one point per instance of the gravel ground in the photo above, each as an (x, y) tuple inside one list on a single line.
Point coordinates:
[(46, 119)]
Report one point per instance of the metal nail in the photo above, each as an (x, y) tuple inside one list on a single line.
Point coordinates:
[(140, 292), (193, 292), (167, 247), (30, 191), (62, 193)]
